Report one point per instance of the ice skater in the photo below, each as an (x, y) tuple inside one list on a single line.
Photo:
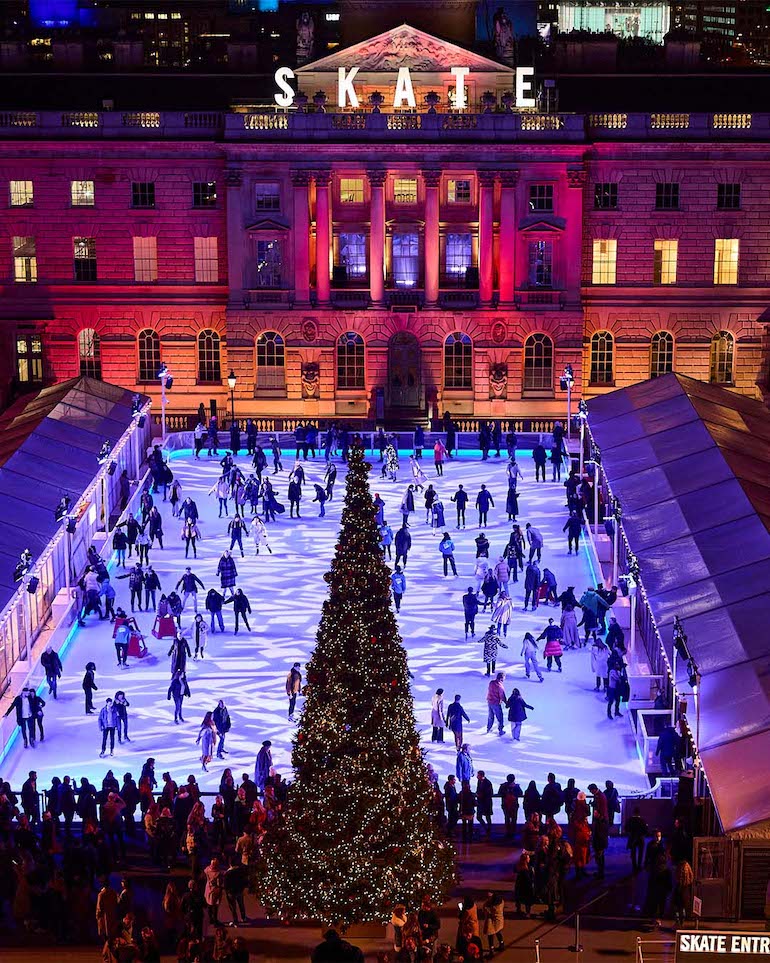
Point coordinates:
[(236, 530), (227, 573), (293, 687), (529, 652), (418, 475), (259, 534), (492, 644), (241, 608), (178, 691), (189, 583), (460, 498)]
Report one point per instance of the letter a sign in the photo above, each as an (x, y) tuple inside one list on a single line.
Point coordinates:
[(719, 946)]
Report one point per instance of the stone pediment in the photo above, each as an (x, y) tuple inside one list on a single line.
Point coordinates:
[(267, 224), (541, 225), (404, 46)]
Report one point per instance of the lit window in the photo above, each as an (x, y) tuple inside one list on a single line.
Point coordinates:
[(667, 197), (146, 259), (606, 197), (22, 194), (726, 250), (84, 252), (458, 257), (269, 263), (405, 190), (538, 363), (29, 358), (352, 254), (24, 260), (351, 190), (664, 262), (82, 193), (541, 197), (271, 362), (541, 264), (722, 356), (729, 197), (459, 191), (204, 194), (176, 16), (148, 345), (90, 354), (406, 260), (351, 368), (605, 260), (206, 260), (209, 357), (661, 354), (143, 194), (267, 196), (602, 358), (458, 362)]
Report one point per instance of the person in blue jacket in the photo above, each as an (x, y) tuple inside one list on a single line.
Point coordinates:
[(464, 766), (398, 581)]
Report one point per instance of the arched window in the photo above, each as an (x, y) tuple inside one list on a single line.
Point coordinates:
[(602, 358), (458, 362), (351, 370), (271, 361), (148, 343), (661, 354), (90, 354), (722, 357), (209, 357), (538, 363)]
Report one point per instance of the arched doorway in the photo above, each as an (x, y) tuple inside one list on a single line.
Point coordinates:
[(404, 371)]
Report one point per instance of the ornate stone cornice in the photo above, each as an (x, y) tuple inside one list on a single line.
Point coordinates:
[(576, 178), (322, 177), (509, 178), (233, 176), (487, 178), (300, 177), (377, 176), (431, 176)]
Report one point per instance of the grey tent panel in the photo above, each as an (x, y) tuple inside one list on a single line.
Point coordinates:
[(690, 463)]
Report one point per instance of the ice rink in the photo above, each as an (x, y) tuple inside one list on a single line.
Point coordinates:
[(568, 731)]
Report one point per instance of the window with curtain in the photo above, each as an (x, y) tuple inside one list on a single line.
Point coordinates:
[(458, 362), (90, 354), (661, 354), (721, 369), (148, 344), (538, 363), (458, 256), (406, 260), (541, 264), (602, 358), (209, 357), (269, 263), (29, 358), (351, 372), (271, 361), (352, 254)]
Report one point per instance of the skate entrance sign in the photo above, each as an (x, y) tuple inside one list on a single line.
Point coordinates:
[(713, 945)]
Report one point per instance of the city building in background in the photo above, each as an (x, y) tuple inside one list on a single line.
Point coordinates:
[(648, 19)]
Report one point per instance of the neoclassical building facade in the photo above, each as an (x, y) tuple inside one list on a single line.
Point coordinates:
[(380, 261)]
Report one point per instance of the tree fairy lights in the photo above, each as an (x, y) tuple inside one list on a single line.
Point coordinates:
[(357, 834)]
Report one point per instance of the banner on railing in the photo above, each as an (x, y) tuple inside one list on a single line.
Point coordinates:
[(714, 945)]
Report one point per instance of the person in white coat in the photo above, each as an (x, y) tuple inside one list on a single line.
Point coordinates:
[(437, 716), (530, 652), (480, 571), (599, 664), (419, 478), (258, 532), (503, 610)]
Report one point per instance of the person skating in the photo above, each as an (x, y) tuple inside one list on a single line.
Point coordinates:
[(454, 720), (119, 546), (259, 534), (189, 583), (529, 652), (482, 545), (403, 543), (428, 499), (108, 721), (178, 691), (531, 585), (419, 478), (599, 659), (175, 497), (241, 608), (439, 454), (437, 515), (227, 573), (502, 574), (512, 502), (484, 502), (548, 587), (553, 650), (492, 644), (25, 719), (615, 687), (135, 578), (222, 723), (386, 540), (460, 498), (502, 611), (574, 528), (236, 530), (121, 706), (293, 687), (214, 602), (90, 686), (496, 699), (513, 553), (190, 535), (179, 653), (259, 461), (390, 465), (320, 497), (446, 548), (437, 716), (470, 610), (330, 477), (294, 495), (53, 669), (200, 631), (206, 739), (155, 527), (151, 586), (534, 540), (517, 712), (539, 457), (398, 583), (489, 589)]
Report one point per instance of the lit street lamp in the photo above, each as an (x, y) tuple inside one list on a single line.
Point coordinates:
[(231, 383), (166, 380), (566, 382)]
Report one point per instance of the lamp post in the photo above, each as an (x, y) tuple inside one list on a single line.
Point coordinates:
[(567, 381), (633, 588), (617, 513), (231, 383), (582, 418), (166, 380)]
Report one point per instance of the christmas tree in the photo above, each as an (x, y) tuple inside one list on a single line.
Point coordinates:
[(358, 833)]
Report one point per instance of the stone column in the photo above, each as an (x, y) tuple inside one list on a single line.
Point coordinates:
[(322, 236), (486, 236), (300, 180), (432, 180), (571, 255), (236, 237), (377, 236), (508, 182)]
